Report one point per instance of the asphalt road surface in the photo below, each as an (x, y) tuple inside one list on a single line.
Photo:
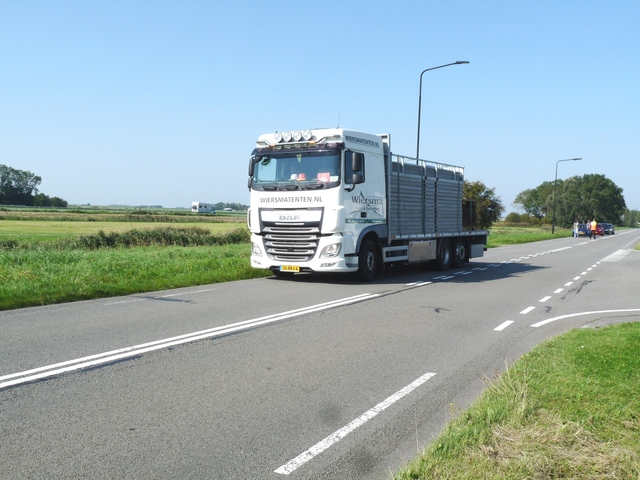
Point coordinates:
[(315, 377)]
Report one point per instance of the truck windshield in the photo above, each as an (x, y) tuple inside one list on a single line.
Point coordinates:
[(296, 170)]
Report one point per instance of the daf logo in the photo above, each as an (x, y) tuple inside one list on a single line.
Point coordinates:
[(289, 218)]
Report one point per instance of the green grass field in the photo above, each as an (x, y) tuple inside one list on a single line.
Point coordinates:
[(508, 235), (45, 262), (29, 231)]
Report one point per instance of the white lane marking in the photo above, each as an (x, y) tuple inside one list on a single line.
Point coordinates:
[(503, 325), (583, 273), (577, 278), (558, 290), (338, 435), (422, 284), (562, 317), (527, 310), (568, 284), (559, 249), (443, 277), (617, 256), (140, 299), (106, 357), (544, 299)]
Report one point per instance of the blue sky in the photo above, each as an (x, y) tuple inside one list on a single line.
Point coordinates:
[(160, 102)]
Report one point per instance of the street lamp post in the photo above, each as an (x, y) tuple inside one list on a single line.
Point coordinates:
[(555, 185), (459, 62)]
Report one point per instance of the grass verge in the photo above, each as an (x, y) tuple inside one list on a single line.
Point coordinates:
[(568, 409), (37, 277), (510, 235), (120, 263)]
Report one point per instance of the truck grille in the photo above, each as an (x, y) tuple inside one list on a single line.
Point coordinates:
[(291, 243)]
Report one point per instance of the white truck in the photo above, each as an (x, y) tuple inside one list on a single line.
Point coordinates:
[(337, 200), (201, 207)]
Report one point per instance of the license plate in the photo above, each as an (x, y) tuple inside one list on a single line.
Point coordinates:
[(289, 268)]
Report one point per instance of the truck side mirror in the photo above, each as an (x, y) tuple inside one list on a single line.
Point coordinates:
[(354, 169), (357, 160), (357, 167)]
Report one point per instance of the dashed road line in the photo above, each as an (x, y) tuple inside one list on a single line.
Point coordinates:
[(503, 325)]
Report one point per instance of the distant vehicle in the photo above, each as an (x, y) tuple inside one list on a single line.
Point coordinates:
[(600, 229), (582, 230), (200, 207), (608, 228)]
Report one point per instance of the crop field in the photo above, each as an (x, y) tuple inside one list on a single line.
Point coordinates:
[(42, 230)]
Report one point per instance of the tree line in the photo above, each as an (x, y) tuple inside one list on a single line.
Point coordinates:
[(20, 187), (577, 199)]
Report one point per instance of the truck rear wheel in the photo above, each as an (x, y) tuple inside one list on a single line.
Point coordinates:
[(443, 260), (368, 261), (460, 253)]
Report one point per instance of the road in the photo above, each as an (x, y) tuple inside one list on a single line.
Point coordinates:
[(316, 377)]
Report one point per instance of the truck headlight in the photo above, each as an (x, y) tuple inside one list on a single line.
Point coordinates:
[(330, 250), (256, 250)]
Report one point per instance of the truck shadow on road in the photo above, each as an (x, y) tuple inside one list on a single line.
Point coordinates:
[(406, 274)]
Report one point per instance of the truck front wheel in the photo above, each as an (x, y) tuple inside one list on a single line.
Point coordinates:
[(443, 261), (367, 261)]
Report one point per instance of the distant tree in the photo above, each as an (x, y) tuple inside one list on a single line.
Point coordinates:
[(20, 187), (489, 207), (513, 217), (577, 198), (41, 200), (17, 187), (535, 202), (632, 218), (59, 202), (603, 199), (522, 218)]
